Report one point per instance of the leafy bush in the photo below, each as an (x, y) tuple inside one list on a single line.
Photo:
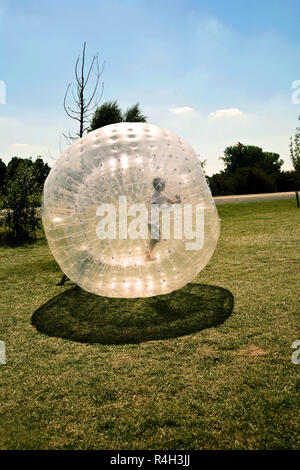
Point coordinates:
[(245, 180), (288, 181), (108, 113), (111, 113), (20, 203), (252, 180), (221, 184)]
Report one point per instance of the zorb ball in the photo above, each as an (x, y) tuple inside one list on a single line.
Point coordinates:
[(127, 212)]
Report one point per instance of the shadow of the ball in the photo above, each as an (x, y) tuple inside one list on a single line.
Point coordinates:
[(77, 315)]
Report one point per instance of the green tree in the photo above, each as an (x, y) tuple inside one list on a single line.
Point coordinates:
[(2, 175), (252, 180), (245, 180), (295, 149), (134, 114), (42, 170), (111, 113), (271, 163), (108, 113), (21, 201), (13, 165), (240, 156), (221, 184), (288, 181)]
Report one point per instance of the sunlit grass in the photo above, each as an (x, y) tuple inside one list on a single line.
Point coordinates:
[(228, 387)]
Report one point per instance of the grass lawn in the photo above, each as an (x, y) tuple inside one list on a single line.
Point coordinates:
[(230, 386)]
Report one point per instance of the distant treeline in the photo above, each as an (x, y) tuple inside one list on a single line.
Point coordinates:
[(250, 170), (247, 169)]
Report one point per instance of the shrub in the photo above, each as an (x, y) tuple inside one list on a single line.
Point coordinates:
[(221, 184), (20, 203), (245, 180), (252, 180), (288, 181)]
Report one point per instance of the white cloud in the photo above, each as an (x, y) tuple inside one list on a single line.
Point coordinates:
[(230, 112), (256, 126), (19, 145), (181, 110)]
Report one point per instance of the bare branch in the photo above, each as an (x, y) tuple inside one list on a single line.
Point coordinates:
[(49, 155), (75, 99), (76, 71), (73, 110), (65, 100), (89, 72), (69, 138), (82, 66), (83, 102), (93, 94)]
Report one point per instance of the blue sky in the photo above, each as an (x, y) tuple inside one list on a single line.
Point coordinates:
[(215, 72)]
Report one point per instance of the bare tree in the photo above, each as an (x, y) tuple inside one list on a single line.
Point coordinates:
[(86, 97), (85, 100)]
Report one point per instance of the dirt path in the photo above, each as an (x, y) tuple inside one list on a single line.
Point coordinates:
[(253, 197)]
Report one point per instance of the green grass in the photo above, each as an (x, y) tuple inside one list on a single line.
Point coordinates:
[(230, 386)]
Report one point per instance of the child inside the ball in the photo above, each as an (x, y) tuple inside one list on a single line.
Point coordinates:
[(159, 198)]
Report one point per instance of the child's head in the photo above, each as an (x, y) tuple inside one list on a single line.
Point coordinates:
[(159, 184)]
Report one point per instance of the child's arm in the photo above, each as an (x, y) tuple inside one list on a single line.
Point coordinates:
[(170, 201)]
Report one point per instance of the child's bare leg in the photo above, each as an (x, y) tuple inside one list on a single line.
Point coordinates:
[(150, 248), (152, 242)]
